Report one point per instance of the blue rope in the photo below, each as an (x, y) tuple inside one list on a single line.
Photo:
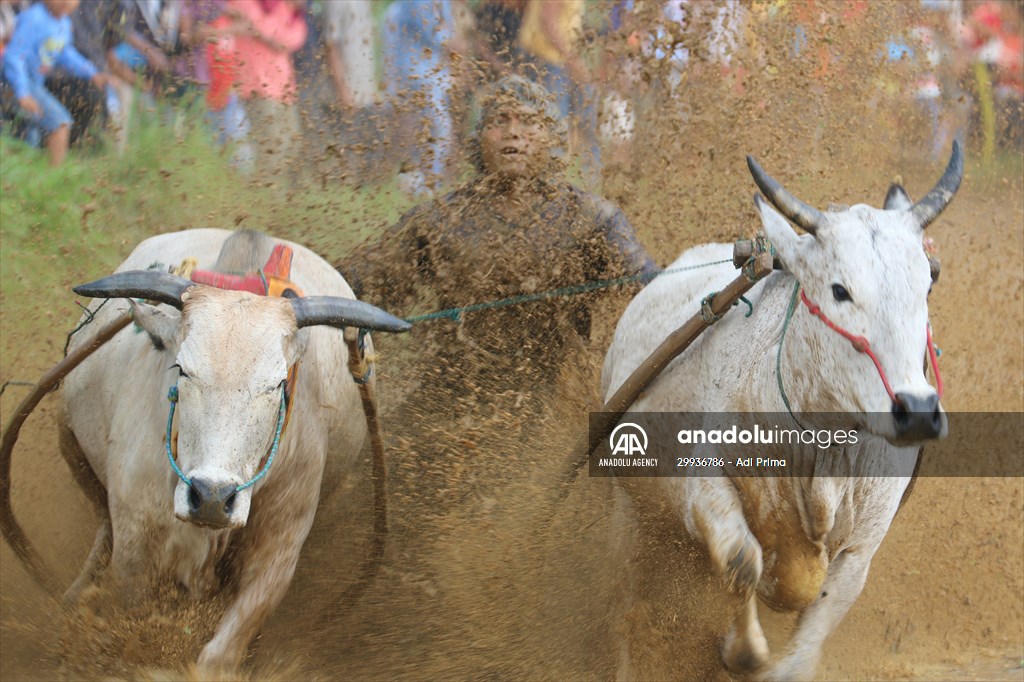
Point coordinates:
[(172, 396), (455, 314), (778, 357), (281, 412)]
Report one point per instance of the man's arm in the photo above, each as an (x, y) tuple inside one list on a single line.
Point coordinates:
[(387, 271), (15, 63), (627, 254), (73, 60), (154, 55)]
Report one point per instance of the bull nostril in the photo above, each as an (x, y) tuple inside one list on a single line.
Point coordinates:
[(918, 417), (901, 413), (211, 503), (194, 501), (229, 504)]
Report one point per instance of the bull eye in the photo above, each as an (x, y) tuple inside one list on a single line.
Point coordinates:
[(276, 388), (181, 373), (840, 293)]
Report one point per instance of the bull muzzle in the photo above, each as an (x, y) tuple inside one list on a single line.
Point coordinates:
[(918, 418), (212, 504)]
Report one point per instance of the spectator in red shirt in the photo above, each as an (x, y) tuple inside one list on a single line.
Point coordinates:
[(266, 34)]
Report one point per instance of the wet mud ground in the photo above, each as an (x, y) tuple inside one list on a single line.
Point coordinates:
[(474, 584), (486, 592)]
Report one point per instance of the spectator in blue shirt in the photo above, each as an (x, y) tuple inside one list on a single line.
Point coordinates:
[(42, 40), (419, 38)]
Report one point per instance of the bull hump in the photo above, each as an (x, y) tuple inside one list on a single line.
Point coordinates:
[(243, 252)]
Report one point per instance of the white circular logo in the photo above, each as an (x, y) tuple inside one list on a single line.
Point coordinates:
[(628, 439)]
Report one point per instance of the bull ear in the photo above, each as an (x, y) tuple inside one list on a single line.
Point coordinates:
[(789, 246), (896, 199), (161, 326)]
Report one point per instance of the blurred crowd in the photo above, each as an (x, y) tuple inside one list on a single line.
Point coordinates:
[(286, 84)]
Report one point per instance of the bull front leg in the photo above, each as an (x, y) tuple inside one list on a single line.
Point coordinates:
[(266, 566), (846, 576), (102, 546), (714, 516), (99, 558)]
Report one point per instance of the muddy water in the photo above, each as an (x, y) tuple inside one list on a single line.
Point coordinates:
[(483, 590)]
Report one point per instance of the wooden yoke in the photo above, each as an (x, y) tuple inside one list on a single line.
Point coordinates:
[(756, 264)]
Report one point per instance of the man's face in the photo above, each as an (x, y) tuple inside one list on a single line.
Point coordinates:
[(61, 8), (515, 142)]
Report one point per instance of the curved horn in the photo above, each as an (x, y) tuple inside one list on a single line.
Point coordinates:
[(152, 285), (335, 311), (933, 203), (800, 213)]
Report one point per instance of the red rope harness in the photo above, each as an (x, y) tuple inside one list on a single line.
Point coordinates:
[(934, 357), (862, 345)]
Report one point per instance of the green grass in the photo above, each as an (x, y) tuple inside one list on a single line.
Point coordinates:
[(62, 226)]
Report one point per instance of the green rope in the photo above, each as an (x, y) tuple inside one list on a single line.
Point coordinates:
[(89, 314), (750, 306), (778, 357), (455, 314), (14, 383), (709, 316)]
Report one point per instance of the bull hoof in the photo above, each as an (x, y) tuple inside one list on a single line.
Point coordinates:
[(741, 570), (744, 654)]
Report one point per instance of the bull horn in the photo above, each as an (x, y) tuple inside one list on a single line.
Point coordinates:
[(335, 311), (152, 285), (807, 217), (932, 204)]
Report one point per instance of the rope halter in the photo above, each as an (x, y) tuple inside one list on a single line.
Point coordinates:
[(271, 280), (283, 412), (862, 345)]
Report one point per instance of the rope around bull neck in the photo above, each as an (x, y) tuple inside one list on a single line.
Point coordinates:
[(172, 397), (778, 356)]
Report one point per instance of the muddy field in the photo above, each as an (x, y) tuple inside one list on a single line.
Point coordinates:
[(485, 590), (484, 593)]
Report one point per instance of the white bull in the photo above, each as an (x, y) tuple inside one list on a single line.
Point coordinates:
[(801, 544), (228, 353)]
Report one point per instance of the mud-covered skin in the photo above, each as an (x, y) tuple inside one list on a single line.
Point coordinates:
[(463, 249)]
